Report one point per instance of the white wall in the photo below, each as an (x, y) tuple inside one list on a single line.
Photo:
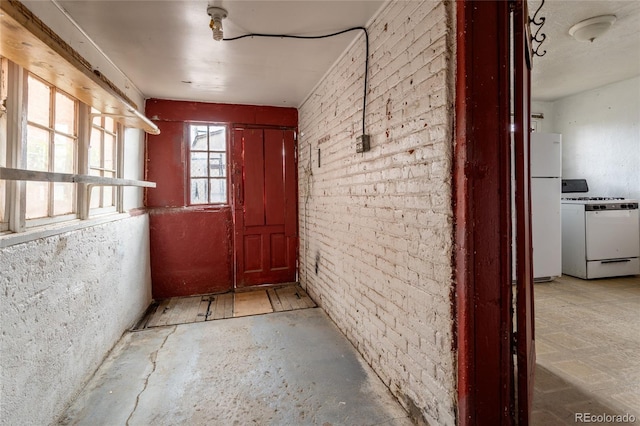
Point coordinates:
[(66, 300), (601, 138), (67, 297), (376, 228), (134, 156), (546, 124)]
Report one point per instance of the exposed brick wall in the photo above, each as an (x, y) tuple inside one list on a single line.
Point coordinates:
[(376, 228)]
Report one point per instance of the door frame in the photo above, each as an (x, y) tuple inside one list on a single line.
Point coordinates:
[(482, 210)]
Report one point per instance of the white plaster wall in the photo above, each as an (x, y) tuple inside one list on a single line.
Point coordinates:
[(134, 154), (66, 300), (546, 124), (376, 228), (601, 138)]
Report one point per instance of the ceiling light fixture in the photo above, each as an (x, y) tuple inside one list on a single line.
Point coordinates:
[(592, 28), (217, 15)]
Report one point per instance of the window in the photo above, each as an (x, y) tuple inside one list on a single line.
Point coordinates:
[(103, 159), (208, 164), (51, 146), (61, 135)]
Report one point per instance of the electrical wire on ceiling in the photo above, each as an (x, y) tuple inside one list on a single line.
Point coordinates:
[(366, 62)]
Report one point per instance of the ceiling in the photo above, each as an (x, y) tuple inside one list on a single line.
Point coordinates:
[(165, 47), (570, 66)]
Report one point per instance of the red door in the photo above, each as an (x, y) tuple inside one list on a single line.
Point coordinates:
[(265, 206), (525, 343)]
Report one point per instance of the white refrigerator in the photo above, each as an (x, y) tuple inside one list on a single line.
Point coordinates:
[(546, 184)]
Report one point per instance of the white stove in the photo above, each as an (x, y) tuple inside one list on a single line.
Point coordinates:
[(600, 237)]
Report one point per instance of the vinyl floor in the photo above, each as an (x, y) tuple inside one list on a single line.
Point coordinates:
[(588, 351)]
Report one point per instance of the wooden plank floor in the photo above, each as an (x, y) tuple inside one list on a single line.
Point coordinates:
[(185, 310)]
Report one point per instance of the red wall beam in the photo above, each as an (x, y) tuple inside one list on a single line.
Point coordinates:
[(167, 110)]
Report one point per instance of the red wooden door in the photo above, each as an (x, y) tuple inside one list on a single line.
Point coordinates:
[(525, 343), (265, 206)]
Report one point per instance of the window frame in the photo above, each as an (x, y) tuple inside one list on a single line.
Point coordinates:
[(52, 133), (189, 176), (118, 157)]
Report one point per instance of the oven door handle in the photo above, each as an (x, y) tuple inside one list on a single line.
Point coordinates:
[(616, 261)]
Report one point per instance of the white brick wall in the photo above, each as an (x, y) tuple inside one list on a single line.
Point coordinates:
[(379, 224)]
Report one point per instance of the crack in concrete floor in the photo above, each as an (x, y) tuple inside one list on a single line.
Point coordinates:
[(153, 357)]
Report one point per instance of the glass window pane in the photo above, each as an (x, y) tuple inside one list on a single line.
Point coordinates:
[(65, 119), (109, 145), (218, 191), (217, 164), (108, 196), (95, 148), (199, 164), (37, 149), (217, 140), (109, 124), (38, 101), (63, 154), (63, 195), (208, 164), (199, 189), (198, 138), (96, 193), (96, 120), (37, 199)]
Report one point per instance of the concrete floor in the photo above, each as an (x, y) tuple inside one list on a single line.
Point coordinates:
[(588, 349), (284, 368), (296, 368)]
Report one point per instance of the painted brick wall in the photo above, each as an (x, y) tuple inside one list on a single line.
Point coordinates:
[(376, 228)]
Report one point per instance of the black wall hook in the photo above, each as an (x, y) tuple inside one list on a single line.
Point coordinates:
[(538, 38)]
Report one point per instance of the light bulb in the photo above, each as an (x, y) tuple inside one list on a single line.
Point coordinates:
[(216, 27), (217, 15)]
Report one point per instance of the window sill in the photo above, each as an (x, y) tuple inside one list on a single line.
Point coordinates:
[(10, 239)]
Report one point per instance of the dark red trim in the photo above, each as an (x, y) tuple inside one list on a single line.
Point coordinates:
[(483, 214), (526, 358)]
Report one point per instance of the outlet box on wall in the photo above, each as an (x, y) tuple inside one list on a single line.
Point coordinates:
[(363, 144)]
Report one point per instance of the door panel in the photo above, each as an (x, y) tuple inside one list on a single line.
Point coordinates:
[(265, 206), (274, 189), (253, 171), (612, 234)]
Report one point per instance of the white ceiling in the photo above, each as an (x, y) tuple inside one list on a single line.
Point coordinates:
[(570, 66), (165, 47)]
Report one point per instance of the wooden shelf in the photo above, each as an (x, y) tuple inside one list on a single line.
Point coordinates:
[(32, 175), (28, 42)]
